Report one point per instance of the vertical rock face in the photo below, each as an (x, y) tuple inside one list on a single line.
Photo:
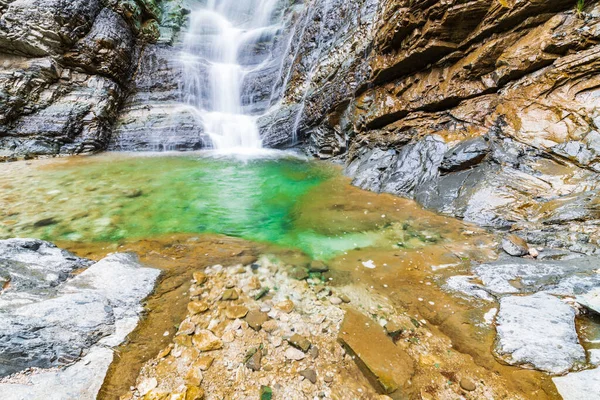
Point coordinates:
[(65, 67), (485, 110)]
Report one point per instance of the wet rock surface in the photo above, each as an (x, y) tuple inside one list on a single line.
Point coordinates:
[(64, 311), (478, 120), (391, 367), (538, 330), (539, 300), (67, 67)]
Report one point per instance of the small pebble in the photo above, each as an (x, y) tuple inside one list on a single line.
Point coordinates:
[(335, 300), (467, 384)]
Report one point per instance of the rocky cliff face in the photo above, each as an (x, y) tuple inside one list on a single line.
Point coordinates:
[(65, 67), (486, 110)]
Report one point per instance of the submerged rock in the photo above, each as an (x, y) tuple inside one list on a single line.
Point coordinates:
[(538, 331), (381, 358)]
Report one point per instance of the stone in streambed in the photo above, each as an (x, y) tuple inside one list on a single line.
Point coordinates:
[(344, 298), (194, 375), (310, 375), (300, 342), (235, 312), (299, 273), (132, 193), (515, 246), (165, 352), (313, 352), (230, 294), (187, 327), (205, 340), (538, 330), (287, 306), (256, 319), (45, 222), (197, 307), (294, 354), (254, 360), (380, 359), (318, 266), (204, 362), (467, 384), (194, 393), (270, 325), (200, 277)]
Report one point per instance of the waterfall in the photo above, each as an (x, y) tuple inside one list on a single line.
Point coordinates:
[(217, 33)]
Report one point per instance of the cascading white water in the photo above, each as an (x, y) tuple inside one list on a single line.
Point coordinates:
[(213, 75)]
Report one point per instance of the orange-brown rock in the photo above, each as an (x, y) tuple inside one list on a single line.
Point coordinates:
[(376, 354)]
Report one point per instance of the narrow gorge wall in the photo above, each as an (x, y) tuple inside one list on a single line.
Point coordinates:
[(65, 67), (486, 110)]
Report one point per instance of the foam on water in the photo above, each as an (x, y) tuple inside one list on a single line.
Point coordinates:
[(215, 36)]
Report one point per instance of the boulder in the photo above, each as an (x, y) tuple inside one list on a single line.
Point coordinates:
[(55, 318), (538, 331), (377, 356)]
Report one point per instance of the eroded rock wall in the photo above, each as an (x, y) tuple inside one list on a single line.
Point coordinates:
[(64, 70), (486, 110)]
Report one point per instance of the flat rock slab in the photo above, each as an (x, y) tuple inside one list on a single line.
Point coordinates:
[(561, 277), (84, 316), (539, 331), (377, 356), (584, 385), (34, 267)]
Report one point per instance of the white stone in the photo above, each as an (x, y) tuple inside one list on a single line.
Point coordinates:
[(584, 385), (294, 354), (147, 385), (538, 330), (369, 264)]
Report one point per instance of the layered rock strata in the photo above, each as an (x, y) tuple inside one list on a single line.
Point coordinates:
[(65, 69), (485, 110)]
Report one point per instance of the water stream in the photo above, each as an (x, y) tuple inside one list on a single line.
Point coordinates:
[(217, 33)]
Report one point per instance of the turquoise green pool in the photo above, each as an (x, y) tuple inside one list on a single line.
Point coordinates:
[(279, 199)]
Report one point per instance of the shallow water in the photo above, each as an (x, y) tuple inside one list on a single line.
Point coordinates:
[(279, 199), (167, 208)]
